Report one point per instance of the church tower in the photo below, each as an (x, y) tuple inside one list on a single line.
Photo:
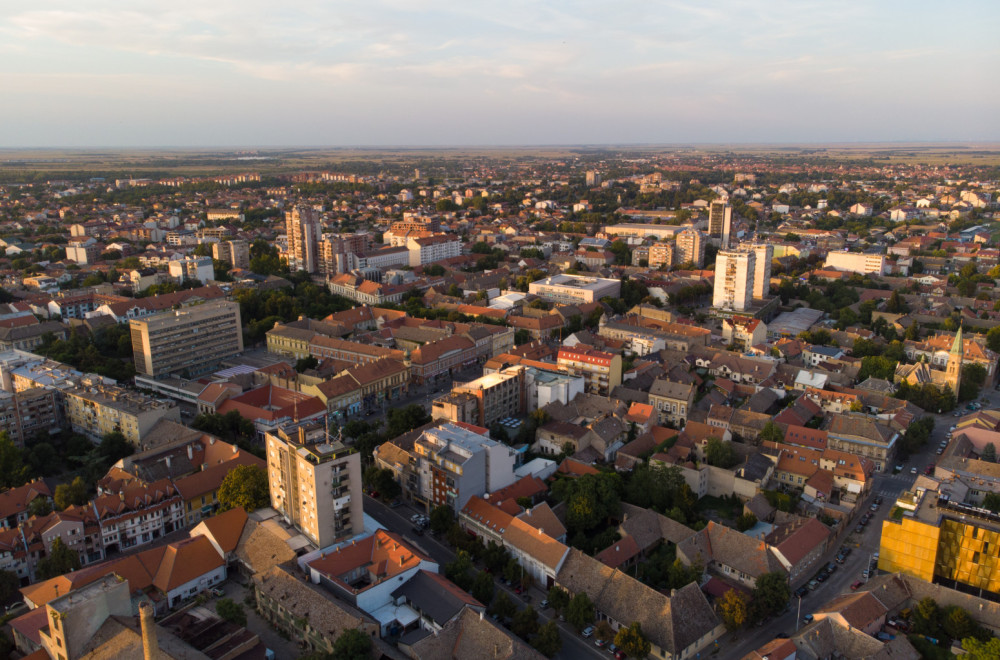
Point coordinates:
[(953, 374)]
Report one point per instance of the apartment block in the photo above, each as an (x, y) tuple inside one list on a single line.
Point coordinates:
[(720, 221), (82, 252), (430, 249), (661, 254), (192, 268), (24, 414), (303, 231), (192, 339), (764, 253), (690, 248), (575, 289), (856, 262), (235, 252), (315, 482), (602, 371), (490, 398), (95, 409), (734, 279)]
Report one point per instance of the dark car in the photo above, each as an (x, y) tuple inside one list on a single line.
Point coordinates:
[(417, 531), (831, 567), (821, 577), (859, 529), (801, 591)]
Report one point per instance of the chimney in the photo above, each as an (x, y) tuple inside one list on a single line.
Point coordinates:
[(190, 453), (150, 647)]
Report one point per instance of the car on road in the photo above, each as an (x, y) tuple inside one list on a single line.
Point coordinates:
[(913, 470), (807, 618), (856, 584), (866, 574), (801, 591), (544, 604), (781, 635), (395, 504), (929, 469), (899, 468), (878, 500), (588, 631), (415, 517), (416, 530)]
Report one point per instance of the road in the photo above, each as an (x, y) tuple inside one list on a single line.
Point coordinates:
[(398, 520)]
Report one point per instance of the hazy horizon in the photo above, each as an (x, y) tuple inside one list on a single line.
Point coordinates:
[(433, 74)]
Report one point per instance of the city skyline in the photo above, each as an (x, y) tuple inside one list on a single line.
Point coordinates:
[(390, 73)]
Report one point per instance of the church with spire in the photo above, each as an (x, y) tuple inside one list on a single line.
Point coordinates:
[(923, 373)]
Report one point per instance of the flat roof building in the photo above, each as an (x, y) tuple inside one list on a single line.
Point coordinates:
[(575, 289), (193, 339)]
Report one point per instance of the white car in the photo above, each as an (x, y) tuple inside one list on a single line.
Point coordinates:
[(913, 470), (899, 468)]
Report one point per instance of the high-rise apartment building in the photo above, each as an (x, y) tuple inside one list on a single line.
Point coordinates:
[(192, 268), (720, 221), (235, 252), (691, 248), (315, 482), (489, 398), (192, 339), (734, 278), (661, 254), (593, 178), (303, 231), (856, 262), (762, 269)]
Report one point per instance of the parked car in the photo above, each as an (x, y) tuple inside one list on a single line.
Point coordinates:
[(414, 518), (807, 618), (821, 577), (218, 593), (801, 591), (831, 567), (417, 531), (395, 504), (859, 529), (544, 604), (856, 584), (612, 649), (913, 470), (17, 608), (812, 585), (599, 643), (588, 631), (620, 655)]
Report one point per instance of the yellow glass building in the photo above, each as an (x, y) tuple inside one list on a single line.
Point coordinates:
[(938, 540)]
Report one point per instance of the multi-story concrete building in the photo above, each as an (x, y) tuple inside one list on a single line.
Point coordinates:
[(430, 249), (494, 397), (83, 252), (192, 268), (95, 409), (856, 262), (303, 232), (574, 289), (29, 412), (235, 252), (764, 253), (592, 178), (315, 482), (690, 248), (454, 464), (661, 254), (192, 339), (720, 221), (734, 278), (865, 436), (601, 371)]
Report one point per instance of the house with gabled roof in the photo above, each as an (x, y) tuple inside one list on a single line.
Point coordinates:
[(730, 553)]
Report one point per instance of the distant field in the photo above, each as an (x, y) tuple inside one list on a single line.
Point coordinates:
[(200, 162)]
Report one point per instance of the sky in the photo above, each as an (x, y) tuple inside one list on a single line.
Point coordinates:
[(208, 73)]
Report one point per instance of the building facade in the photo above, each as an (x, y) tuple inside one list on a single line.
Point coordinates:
[(690, 248), (302, 229), (734, 279), (315, 482), (602, 371), (193, 339)]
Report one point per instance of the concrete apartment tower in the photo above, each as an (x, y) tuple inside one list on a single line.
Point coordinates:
[(734, 278), (720, 221), (762, 270), (954, 369), (303, 231), (690, 248)]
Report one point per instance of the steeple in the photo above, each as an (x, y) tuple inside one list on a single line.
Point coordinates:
[(957, 348)]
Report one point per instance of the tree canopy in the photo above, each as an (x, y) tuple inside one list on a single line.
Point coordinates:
[(244, 486)]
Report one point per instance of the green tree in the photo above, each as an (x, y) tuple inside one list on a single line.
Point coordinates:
[(720, 453), (382, 481), (40, 506), (993, 339), (61, 560), (733, 609), (13, 472), (483, 587), (973, 377), (558, 598), (746, 521), (525, 623), (115, 446), (231, 611), (548, 642), (502, 606), (306, 363), (632, 641), (580, 611), (989, 453), (441, 519), (458, 570), (244, 486), (991, 501), (9, 587), (957, 624), (925, 617), (403, 420), (771, 592), (352, 644), (877, 366), (71, 494), (979, 650), (771, 433), (896, 304)]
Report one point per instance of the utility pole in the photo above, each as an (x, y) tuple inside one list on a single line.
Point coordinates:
[(798, 615)]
